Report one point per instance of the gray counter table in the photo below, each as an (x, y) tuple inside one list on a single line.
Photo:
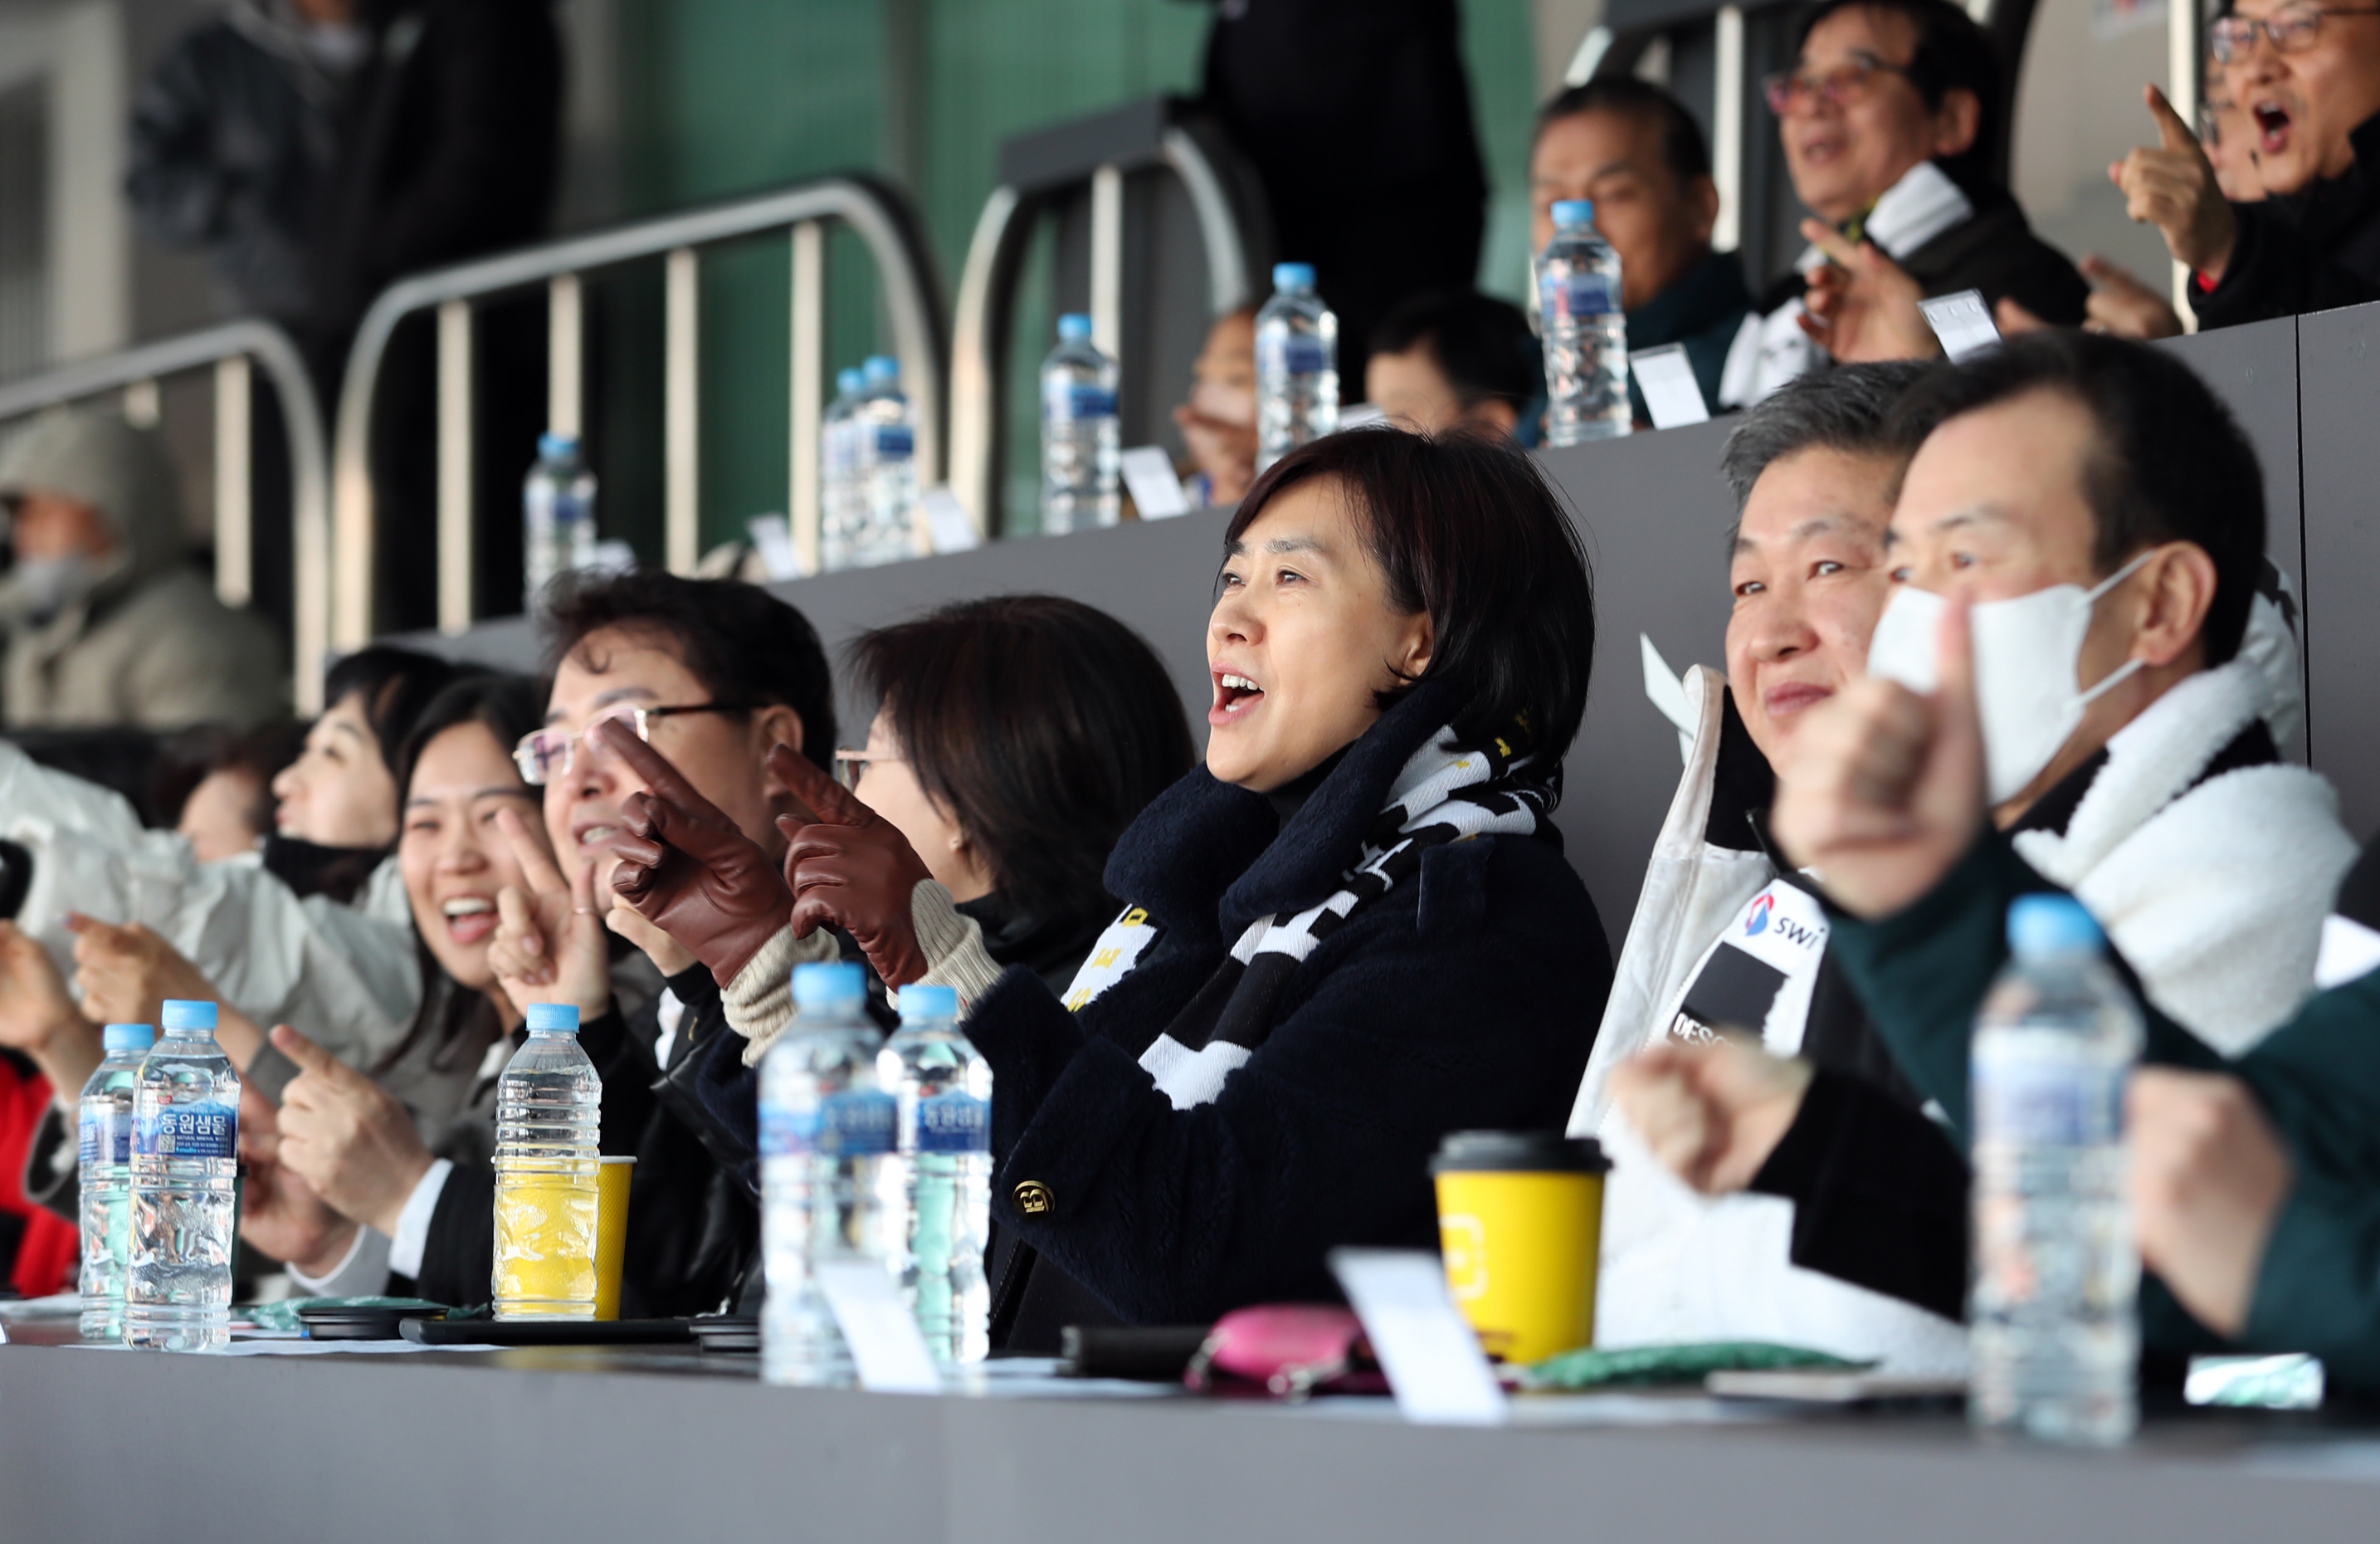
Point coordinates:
[(588, 1447)]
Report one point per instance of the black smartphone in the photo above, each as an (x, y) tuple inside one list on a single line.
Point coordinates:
[(16, 878)]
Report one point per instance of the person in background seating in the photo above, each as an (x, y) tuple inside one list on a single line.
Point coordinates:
[(2305, 78), (1219, 421), (1890, 120), (108, 623), (1634, 149), (1463, 359)]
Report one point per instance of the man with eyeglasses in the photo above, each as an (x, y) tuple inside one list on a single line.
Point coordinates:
[(2307, 78), (713, 675), (1889, 122)]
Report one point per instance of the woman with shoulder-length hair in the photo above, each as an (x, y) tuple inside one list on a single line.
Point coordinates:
[(1014, 740), (1352, 932)]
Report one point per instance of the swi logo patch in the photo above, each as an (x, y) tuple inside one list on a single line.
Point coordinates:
[(1758, 923)]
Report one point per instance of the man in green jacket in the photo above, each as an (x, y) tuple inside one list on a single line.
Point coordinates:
[(2256, 1183)]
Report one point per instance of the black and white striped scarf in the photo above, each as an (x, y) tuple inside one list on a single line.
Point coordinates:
[(1443, 794)]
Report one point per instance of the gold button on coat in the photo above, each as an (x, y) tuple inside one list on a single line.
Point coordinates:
[(1033, 1198)]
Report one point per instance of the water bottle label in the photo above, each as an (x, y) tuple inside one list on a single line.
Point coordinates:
[(195, 1130), (1295, 353), (2046, 1089), (1577, 295), (107, 1137), (954, 1123), (1069, 401), (854, 1123), (895, 442)]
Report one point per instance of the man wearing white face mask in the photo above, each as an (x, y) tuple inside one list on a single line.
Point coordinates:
[(107, 622), (2106, 518)]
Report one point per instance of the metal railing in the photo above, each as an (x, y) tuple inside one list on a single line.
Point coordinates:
[(881, 217), (229, 347), (1098, 153)]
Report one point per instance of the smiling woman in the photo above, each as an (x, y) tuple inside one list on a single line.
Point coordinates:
[(1351, 932)]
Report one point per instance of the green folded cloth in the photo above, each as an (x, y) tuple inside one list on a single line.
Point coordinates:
[(284, 1314), (1647, 1366)]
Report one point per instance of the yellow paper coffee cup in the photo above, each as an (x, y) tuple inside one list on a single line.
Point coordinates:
[(613, 1176), (1520, 1223)]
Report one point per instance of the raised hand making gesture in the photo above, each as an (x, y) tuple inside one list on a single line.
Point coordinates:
[(1861, 306), (2172, 186), (1882, 790), (850, 867), (341, 1134), (687, 868), (549, 944)]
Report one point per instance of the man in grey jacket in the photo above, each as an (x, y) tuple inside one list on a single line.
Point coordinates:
[(106, 621)]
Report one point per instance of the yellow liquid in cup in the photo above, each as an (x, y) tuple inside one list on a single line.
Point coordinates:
[(545, 1240)]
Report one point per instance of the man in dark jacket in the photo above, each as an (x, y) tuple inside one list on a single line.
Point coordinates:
[(1634, 149), (2307, 78), (1357, 118), (1889, 121)]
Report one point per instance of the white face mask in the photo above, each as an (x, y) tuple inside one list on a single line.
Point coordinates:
[(2028, 658), (38, 588)]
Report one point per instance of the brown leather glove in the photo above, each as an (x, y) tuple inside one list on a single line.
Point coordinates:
[(850, 867), (686, 867)]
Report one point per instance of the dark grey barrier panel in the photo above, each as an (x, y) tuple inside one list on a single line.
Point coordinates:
[(2254, 370), (1655, 519), (409, 1450), (2339, 393)]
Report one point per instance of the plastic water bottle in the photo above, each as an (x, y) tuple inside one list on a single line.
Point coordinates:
[(1081, 443), (1584, 329), (1297, 365), (557, 515), (943, 1089), (549, 1124), (105, 1178), (842, 496), (184, 1157), (888, 437), (2054, 1323), (826, 1134)]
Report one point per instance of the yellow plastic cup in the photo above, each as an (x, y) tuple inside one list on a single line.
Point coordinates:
[(1519, 1223), (613, 1176)]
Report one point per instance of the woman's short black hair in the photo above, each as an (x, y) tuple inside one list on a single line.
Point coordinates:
[(508, 706), (391, 686), (1483, 346), (1465, 527), (741, 642), (1042, 725), (2167, 461), (1953, 53)]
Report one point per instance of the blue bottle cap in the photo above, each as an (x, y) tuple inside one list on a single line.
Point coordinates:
[(1574, 212), (922, 1002), (882, 370), (2043, 925), (554, 1017), (1292, 276), (553, 446), (850, 382), (1073, 327), (127, 1037), (823, 987), (183, 1013)]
